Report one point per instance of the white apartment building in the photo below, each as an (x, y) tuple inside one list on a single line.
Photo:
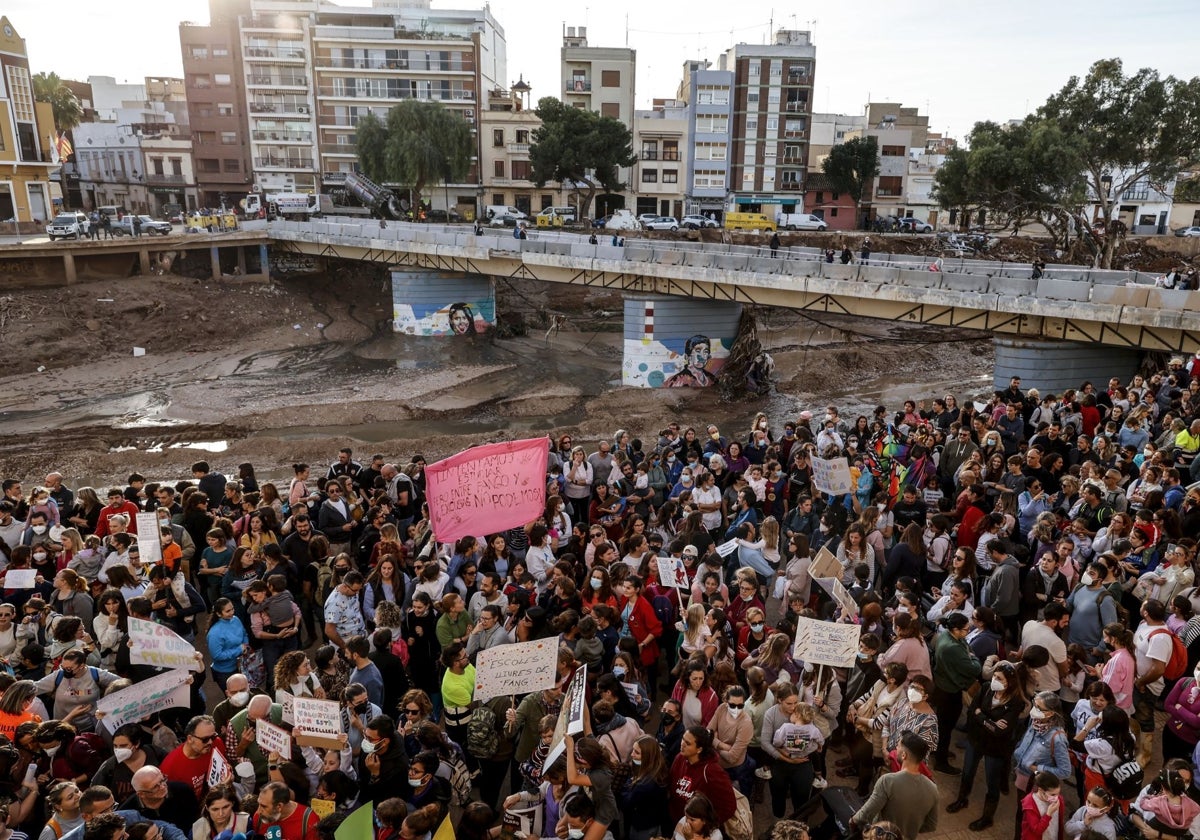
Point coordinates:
[(660, 139)]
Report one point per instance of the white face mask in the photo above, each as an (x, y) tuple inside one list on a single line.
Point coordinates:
[(122, 753), (997, 684), (915, 695), (1093, 811), (414, 782), (637, 762), (39, 556), (39, 529), (50, 751), (763, 425), (369, 746), (1086, 579), (575, 833), (733, 713), (240, 699), (1037, 714)]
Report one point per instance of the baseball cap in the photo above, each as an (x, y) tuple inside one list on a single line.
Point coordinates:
[(690, 551)]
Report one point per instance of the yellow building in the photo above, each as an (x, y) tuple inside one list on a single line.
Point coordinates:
[(26, 137)]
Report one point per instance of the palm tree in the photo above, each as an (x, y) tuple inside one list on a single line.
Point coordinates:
[(48, 87)]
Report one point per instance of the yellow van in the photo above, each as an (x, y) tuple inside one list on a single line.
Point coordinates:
[(748, 221)]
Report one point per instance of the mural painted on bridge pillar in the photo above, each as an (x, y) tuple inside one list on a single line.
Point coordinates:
[(683, 344), (457, 318)]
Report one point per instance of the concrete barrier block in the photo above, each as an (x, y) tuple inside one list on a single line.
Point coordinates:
[(584, 251), (1066, 272), (699, 259), (666, 256), (977, 283), (878, 273), (532, 246), (1108, 278), (560, 248), (1172, 299), (917, 279), (1054, 288), (1014, 271), (616, 252), (444, 237), (1015, 286), (837, 271), (1119, 295), (763, 265)]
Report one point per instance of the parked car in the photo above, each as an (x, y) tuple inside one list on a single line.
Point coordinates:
[(601, 221), (643, 218), (504, 220), (662, 223), (910, 225), (801, 221), (452, 216), (1194, 230), (150, 227), (698, 222), (68, 226)]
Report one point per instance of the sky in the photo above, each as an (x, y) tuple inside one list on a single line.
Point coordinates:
[(957, 63)]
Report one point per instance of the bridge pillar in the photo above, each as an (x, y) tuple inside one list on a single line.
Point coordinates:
[(264, 261), (1053, 366), (241, 260), (439, 303), (215, 258), (673, 342), (69, 267), (144, 261)]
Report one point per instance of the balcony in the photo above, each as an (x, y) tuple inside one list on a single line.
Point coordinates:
[(795, 133), (518, 148), (670, 154), (648, 154), (278, 108), (329, 62), (795, 106), (165, 180), (255, 80), (282, 136), (339, 149), (283, 163), (887, 192), (274, 53), (791, 186), (461, 95), (578, 84)]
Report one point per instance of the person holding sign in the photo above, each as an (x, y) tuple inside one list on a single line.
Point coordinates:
[(189, 762), (76, 687)]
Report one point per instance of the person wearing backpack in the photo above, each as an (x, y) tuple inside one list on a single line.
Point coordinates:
[(489, 743), (1112, 755), (1158, 653)]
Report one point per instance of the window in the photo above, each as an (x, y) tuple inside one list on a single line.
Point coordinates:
[(833, 211), (521, 170), (889, 186), (231, 165), (176, 166), (202, 80), (522, 135), (229, 138), (708, 179), (711, 151), (220, 51), (670, 150), (611, 109), (755, 68), (649, 150), (836, 196), (712, 125), (773, 96), (498, 199), (892, 151), (704, 97), (497, 137), (752, 124), (156, 165), (748, 177), (223, 79), (752, 97), (649, 176), (225, 109), (199, 53), (610, 78), (498, 168), (670, 176), (772, 123), (208, 165)]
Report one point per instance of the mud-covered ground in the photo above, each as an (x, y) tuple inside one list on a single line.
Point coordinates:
[(274, 374)]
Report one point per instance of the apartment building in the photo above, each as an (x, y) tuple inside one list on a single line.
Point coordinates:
[(660, 141), (772, 113), (506, 129), (27, 192), (601, 79), (709, 95), (901, 133), (216, 104)]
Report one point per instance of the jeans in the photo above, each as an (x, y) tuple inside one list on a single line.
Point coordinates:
[(993, 772), (743, 775), (272, 650), (790, 779), (948, 705)]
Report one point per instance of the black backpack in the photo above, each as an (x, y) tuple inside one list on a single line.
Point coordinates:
[(1125, 781)]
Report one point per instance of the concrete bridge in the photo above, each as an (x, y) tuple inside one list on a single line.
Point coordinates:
[(1074, 321)]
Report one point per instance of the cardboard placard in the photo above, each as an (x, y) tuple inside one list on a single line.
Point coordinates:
[(826, 643), (153, 644), (162, 691), (516, 669), (318, 722), (286, 702), (359, 825), (671, 572), (839, 594), (322, 807), (825, 565), (148, 538), (727, 548), (273, 739), (831, 476), (570, 718), (487, 489), (20, 579), (218, 769)]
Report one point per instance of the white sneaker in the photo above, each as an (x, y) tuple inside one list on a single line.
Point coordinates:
[(819, 783), (763, 773)]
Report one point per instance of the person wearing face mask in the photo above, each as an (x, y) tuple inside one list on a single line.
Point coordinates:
[(955, 670), (1043, 748), (76, 687), (1042, 814), (243, 726), (913, 714), (132, 750), (992, 721), (1093, 815), (424, 786), (237, 695), (670, 729), (1092, 608), (732, 730), (1165, 807)]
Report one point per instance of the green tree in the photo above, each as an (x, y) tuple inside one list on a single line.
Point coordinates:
[(1130, 130), (48, 87), (421, 143), (579, 148), (851, 166), (1187, 190)]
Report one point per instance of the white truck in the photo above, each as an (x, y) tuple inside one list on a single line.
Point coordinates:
[(289, 205)]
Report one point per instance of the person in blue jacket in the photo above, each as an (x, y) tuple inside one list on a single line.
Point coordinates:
[(227, 640)]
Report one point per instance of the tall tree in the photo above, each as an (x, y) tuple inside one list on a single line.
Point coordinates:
[(1139, 129), (851, 166), (421, 143), (579, 148), (48, 87)]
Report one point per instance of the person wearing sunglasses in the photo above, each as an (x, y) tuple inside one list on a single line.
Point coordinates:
[(732, 730), (189, 762)]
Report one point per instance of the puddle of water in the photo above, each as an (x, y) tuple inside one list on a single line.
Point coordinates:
[(206, 445)]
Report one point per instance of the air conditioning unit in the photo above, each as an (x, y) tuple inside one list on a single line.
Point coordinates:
[(469, 114)]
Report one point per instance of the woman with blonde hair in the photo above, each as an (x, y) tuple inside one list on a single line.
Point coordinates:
[(774, 657), (695, 631), (72, 543)]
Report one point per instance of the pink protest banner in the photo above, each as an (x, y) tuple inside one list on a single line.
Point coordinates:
[(487, 488)]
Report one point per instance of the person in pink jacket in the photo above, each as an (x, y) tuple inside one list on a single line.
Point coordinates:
[(1183, 718), (1120, 671), (908, 648)]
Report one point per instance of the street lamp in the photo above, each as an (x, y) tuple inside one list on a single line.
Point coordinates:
[(479, 202)]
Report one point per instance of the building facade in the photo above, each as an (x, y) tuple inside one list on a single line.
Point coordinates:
[(660, 140), (899, 190), (506, 129), (709, 95), (772, 112), (27, 192)]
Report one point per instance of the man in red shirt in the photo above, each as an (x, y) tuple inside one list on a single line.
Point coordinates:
[(117, 503), (276, 809), (189, 762)]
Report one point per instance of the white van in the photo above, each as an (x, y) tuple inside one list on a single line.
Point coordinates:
[(801, 221), (493, 211), (567, 213)]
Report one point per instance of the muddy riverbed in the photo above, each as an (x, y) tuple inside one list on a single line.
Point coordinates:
[(292, 371)]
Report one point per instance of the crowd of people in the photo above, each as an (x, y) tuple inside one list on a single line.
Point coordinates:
[(1022, 573)]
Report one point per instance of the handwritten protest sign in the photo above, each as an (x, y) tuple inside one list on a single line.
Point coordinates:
[(671, 572), (322, 807), (831, 476), (727, 548), (826, 643), (522, 822), (163, 691), (273, 739), (149, 544), (570, 719), (825, 565), (487, 489), (20, 579), (218, 769), (153, 644), (516, 668), (839, 594), (286, 701), (318, 722)]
